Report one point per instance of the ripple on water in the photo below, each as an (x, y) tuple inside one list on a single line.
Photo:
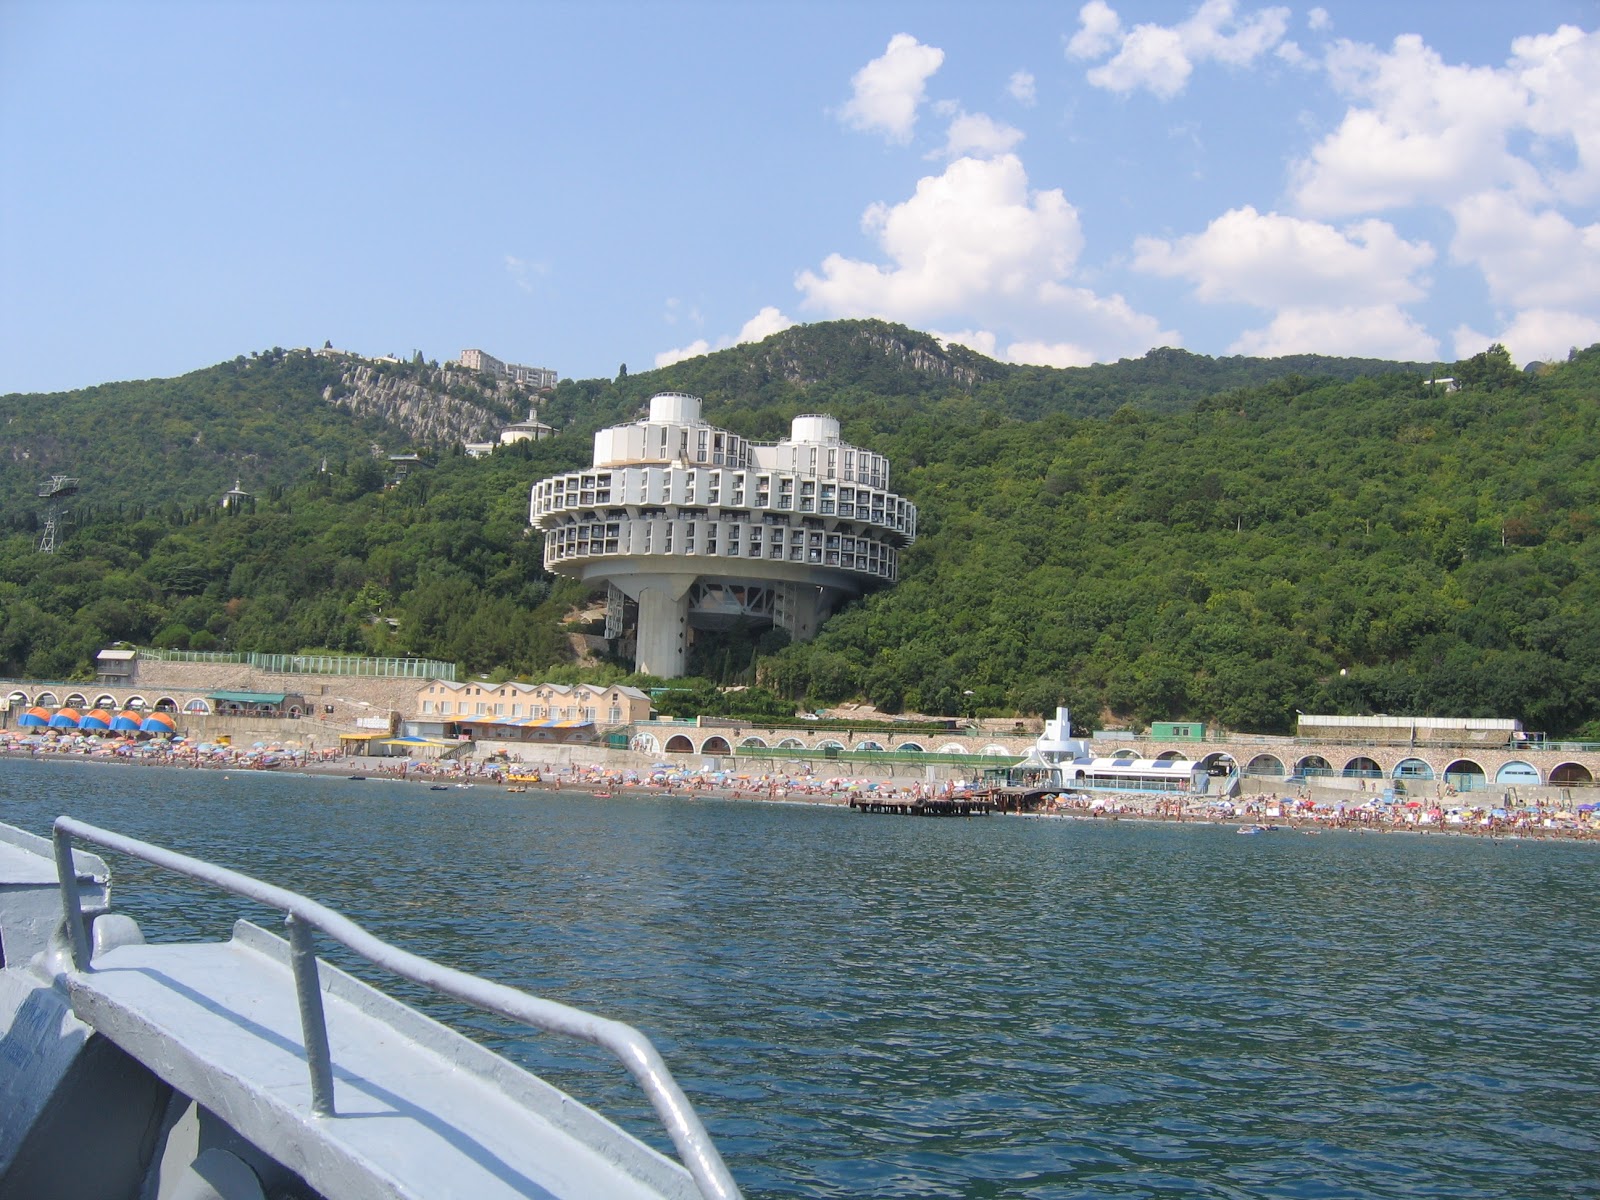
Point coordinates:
[(1039, 1009)]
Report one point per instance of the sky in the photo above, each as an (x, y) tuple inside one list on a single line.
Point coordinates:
[(583, 185)]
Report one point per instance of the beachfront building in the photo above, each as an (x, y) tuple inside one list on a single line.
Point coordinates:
[(690, 527), (444, 701)]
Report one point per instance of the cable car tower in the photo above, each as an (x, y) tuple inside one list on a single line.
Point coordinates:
[(53, 492)]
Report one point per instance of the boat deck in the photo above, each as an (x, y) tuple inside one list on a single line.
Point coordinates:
[(420, 1110)]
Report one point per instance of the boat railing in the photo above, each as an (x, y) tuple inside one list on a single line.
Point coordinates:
[(695, 1148)]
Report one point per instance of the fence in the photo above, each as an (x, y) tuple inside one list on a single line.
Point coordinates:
[(314, 664)]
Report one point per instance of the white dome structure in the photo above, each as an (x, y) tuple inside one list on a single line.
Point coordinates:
[(692, 527)]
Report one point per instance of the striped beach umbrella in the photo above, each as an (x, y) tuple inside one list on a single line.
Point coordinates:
[(127, 721), (66, 718), (34, 718), (158, 722), (97, 719)]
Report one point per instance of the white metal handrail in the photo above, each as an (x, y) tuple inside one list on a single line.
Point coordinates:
[(695, 1148)]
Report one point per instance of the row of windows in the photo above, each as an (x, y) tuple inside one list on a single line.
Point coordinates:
[(655, 485), (725, 539), (536, 712), (718, 448)]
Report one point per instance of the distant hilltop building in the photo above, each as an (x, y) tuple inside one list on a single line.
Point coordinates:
[(538, 377), (531, 430), (691, 527)]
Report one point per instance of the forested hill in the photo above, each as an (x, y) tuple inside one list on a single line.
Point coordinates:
[(1171, 536)]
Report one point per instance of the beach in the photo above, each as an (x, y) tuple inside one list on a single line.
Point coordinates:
[(1260, 814)]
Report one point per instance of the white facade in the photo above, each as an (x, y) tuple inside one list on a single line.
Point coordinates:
[(477, 360), (698, 527)]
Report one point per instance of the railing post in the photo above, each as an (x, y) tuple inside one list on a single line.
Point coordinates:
[(71, 902), (313, 1024)]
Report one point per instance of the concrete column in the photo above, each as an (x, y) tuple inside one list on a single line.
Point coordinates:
[(663, 633)]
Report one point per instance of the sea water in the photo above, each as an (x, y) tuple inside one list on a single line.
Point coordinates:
[(997, 1007)]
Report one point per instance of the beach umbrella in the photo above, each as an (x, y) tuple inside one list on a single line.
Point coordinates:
[(127, 720), (34, 718), (95, 718), (66, 718), (158, 722)]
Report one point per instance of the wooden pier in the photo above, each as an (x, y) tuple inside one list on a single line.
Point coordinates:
[(968, 804), (930, 806)]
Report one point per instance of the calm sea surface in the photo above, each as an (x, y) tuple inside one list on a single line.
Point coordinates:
[(872, 1006)]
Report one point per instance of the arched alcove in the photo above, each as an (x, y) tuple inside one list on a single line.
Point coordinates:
[(1412, 768), (716, 744), (1465, 775), (1571, 774), (1266, 766), (679, 744), (1518, 772)]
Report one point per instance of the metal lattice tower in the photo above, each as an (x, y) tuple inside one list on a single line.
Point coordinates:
[(53, 492)]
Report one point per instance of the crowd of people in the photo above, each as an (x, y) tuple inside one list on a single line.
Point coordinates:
[(1495, 815)]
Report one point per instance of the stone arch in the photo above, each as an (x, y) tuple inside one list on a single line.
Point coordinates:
[(105, 700), (1465, 775), (911, 748), (1362, 767), (791, 743), (868, 745), (1124, 752), (167, 705), (716, 744), (197, 707), (1219, 763), (17, 700), (645, 743), (1169, 755), (995, 750), (1313, 764), (1571, 774), (1413, 768), (137, 703), (1517, 771), (830, 744), (679, 744), (47, 700), (1268, 765), (953, 748), (294, 710), (754, 743), (76, 700)]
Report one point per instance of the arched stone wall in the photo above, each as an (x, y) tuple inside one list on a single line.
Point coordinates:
[(1268, 765)]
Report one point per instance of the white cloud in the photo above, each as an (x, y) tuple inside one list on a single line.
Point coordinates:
[(978, 134), (975, 244), (1530, 259), (973, 232), (525, 272), (1022, 90), (981, 340), (1318, 19), (1537, 335), (1426, 131), (763, 325), (1050, 354), (1161, 58), (1364, 331), (889, 89), (1559, 72), (1275, 261), (693, 350), (1098, 30)]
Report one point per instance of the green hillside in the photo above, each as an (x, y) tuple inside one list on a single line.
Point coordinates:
[(1171, 536)]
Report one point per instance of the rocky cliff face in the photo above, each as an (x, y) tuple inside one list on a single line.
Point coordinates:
[(435, 406)]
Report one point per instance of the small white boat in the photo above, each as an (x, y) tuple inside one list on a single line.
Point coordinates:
[(249, 1068)]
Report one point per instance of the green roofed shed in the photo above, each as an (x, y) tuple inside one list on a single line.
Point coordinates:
[(249, 697)]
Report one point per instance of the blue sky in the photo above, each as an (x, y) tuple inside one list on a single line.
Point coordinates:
[(580, 185)]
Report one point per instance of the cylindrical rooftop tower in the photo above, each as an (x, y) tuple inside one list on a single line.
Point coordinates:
[(694, 528)]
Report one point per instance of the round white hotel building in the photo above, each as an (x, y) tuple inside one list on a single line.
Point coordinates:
[(692, 527)]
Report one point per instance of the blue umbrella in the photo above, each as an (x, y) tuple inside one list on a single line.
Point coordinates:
[(34, 718)]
